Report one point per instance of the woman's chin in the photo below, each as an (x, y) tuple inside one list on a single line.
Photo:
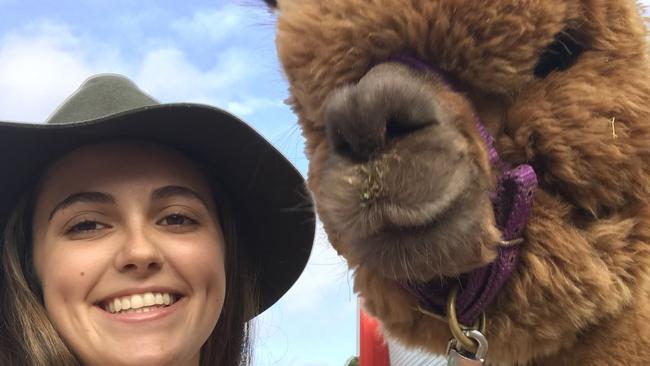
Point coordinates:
[(145, 353), (140, 338)]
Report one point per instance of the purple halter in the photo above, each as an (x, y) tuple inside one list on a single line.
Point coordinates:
[(512, 205)]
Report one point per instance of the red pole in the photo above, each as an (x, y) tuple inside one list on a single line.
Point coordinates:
[(373, 351)]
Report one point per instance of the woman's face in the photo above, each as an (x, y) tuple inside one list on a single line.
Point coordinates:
[(129, 226)]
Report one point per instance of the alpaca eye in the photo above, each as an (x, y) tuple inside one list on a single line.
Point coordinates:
[(560, 54)]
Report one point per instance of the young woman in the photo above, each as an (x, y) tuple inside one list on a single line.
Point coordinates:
[(138, 233)]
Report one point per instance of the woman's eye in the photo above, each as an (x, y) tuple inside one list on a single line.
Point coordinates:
[(560, 54), (86, 226), (177, 220)]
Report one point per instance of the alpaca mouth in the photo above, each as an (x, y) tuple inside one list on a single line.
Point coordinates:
[(420, 215), (408, 224), (387, 202), (403, 230)]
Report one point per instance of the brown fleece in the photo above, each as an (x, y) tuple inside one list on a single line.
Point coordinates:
[(415, 205)]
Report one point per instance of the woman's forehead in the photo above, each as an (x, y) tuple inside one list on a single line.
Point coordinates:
[(118, 166)]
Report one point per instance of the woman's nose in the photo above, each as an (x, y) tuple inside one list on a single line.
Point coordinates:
[(140, 252)]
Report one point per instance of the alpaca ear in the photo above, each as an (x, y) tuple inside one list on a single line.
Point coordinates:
[(273, 4)]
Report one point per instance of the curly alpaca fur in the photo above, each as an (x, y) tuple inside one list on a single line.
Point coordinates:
[(411, 202)]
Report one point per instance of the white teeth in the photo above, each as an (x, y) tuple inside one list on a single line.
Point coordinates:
[(149, 299), (138, 302)]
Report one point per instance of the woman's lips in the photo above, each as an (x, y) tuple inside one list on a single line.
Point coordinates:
[(144, 314), (138, 301)]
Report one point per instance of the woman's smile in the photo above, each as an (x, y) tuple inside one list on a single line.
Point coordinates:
[(140, 306), (137, 311), (143, 302)]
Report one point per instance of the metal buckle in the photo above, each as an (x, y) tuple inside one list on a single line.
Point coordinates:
[(458, 330)]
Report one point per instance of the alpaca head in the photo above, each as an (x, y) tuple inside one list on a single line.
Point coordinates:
[(402, 177)]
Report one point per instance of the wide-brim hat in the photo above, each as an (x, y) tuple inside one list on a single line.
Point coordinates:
[(273, 210)]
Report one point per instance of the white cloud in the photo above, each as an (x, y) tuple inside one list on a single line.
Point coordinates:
[(213, 24), (44, 62), (250, 105), (168, 75), (37, 71)]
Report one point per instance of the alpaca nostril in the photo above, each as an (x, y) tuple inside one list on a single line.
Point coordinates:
[(358, 148), (352, 147), (397, 127), (350, 129), (341, 146)]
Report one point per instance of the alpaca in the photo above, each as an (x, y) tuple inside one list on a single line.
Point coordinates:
[(452, 142)]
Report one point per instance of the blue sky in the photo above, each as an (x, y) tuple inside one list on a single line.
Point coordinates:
[(216, 52)]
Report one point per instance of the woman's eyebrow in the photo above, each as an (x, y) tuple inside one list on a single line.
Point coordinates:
[(173, 191), (82, 197)]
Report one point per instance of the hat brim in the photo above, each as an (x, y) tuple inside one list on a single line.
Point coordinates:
[(274, 212)]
